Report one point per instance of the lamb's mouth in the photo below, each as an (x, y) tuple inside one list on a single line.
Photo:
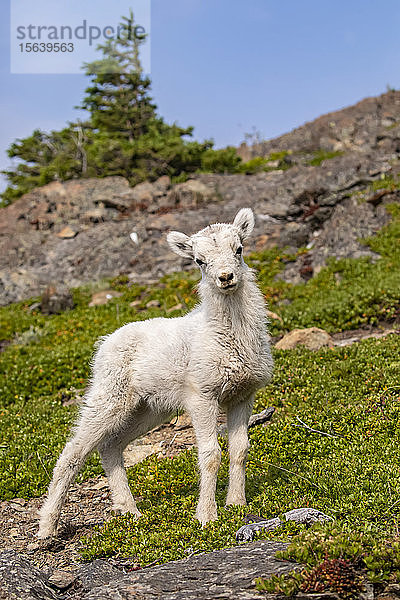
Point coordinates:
[(229, 286)]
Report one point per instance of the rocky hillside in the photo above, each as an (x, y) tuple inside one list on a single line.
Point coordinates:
[(84, 230), (370, 125)]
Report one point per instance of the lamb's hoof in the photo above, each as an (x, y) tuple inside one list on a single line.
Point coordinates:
[(48, 523), (238, 501), (41, 543), (206, 516), (45, 534)]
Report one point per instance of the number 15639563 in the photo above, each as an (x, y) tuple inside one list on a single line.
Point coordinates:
[(47, 47)]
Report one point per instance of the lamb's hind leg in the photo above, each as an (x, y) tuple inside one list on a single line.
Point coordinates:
[(88, 434), (113, 464), (142, 420)]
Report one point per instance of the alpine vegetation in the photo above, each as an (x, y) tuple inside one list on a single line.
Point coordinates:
[(215, 357)]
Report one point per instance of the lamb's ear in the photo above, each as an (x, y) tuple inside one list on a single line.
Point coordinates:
[(244, 221), (180, 244)]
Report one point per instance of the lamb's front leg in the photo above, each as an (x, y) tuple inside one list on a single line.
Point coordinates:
[(204, 419), (238, 418)]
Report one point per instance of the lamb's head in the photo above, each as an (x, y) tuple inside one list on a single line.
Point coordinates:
[(217, 250)]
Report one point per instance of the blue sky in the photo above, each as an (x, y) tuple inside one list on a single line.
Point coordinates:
[(228, 66)]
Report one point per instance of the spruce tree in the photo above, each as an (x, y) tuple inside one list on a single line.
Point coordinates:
[(130, 138), (118, 99)]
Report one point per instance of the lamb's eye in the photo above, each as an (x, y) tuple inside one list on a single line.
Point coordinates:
[(239, 251), (200, 262)]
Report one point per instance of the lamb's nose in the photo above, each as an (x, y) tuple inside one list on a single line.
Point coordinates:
[(225, 277)]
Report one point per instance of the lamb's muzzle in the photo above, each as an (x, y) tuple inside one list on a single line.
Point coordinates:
[(215, 357)]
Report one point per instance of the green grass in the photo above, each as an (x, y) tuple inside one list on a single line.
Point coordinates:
[(387, 182), (321, 155)]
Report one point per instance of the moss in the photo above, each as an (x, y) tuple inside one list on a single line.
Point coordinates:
[(386, 182), (321, 155), (392, 125), (337, 559)]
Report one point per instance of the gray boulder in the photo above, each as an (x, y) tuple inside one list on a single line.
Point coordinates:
[(21, 580)]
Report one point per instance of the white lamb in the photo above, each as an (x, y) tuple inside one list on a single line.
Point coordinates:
[(214, 357)]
